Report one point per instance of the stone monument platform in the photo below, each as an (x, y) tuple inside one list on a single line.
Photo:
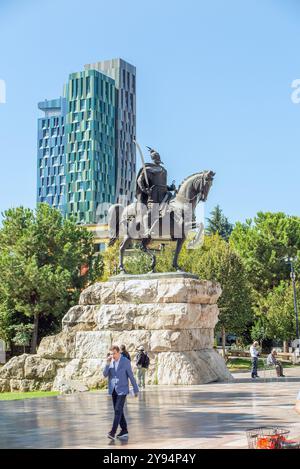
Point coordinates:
[(172, 316)]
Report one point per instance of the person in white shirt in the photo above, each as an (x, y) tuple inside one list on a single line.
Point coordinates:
[(254, 353)]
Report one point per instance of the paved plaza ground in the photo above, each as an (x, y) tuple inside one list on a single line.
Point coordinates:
[(206, 416)]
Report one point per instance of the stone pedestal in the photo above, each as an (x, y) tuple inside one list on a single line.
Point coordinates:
[(172, 315)]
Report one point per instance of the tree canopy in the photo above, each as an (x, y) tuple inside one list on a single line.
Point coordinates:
[(41, 256), (263, 244), (218, 223)]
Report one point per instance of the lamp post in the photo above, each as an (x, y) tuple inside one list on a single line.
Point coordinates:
[(290, 260)]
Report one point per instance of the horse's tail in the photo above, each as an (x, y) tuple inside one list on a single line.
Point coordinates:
[(114, 216)]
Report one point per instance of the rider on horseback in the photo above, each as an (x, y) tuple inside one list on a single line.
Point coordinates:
[(153, 191)]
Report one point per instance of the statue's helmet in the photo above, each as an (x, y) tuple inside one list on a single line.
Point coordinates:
[(155, 156)]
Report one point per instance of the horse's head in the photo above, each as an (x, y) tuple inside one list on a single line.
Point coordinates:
[(202, 185), (195, 188)]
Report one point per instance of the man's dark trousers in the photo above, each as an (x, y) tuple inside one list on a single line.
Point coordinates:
[(119, 419), (254, 367)]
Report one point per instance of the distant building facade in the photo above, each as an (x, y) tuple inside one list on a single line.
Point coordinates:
[(51, 157), (86, 153)]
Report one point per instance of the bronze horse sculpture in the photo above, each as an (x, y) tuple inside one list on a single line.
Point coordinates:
[(130, 223)]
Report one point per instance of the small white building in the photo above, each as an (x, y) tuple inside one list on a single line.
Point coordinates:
[(2, 351)]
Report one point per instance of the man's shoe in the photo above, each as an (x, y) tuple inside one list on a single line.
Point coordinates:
[(111, 436), (123, 434)]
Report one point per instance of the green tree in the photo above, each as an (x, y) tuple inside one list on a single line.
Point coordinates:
[(259, 330), (216, 260), (218, 223), (41, 260), (22, 334), (281, 314), (262, 243)]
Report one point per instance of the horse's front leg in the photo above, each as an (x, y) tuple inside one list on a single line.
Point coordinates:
[(179, 245), (144, 247), (123, 246)]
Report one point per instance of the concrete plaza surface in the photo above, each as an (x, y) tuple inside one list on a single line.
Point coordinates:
[(205, 416)]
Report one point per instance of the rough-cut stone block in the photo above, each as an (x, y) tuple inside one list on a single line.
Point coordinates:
[(115, 317), (202, 291), (84, 314), (98, 293), (136, 291), (14, 368), (68, 386), (175, 316), (45, 385), (92, 344), (39, 368), (171, 291), (184, 340), (195, 367), (132, 339), (4, 385), (151, 316), (165, 340), (24, 385), (163, 290), (60, 346), (88, 371)]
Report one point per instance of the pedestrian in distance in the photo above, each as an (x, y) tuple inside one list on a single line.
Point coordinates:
[(142, 362), (254, 353), (272, 361), (118, 370), (125, 352)]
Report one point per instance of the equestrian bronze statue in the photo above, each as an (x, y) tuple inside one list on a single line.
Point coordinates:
[(160, 211)]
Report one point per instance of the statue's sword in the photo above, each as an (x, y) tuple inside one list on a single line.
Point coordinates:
[(143, 161)]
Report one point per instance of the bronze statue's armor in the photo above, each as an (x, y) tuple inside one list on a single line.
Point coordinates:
[(157, 191)]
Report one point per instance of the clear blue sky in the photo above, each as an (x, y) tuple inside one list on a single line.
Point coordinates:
[(213, 88)]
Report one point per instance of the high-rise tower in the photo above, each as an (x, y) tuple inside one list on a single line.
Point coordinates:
[(86, 154), (124, 76)]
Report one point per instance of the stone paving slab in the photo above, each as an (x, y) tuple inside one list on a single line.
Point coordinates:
[(205, 416)]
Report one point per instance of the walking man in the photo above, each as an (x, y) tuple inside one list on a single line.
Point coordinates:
[(118, 370), (254, 359), (142, 362)]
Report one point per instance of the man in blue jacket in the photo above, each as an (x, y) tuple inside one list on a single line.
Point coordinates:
[(118, 370)]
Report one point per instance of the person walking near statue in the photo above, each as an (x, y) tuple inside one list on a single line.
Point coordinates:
[(118, 370), (142, 361), (125, 352)]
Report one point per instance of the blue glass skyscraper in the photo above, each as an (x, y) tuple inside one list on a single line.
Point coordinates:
[(86, 154), (51, 158)]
